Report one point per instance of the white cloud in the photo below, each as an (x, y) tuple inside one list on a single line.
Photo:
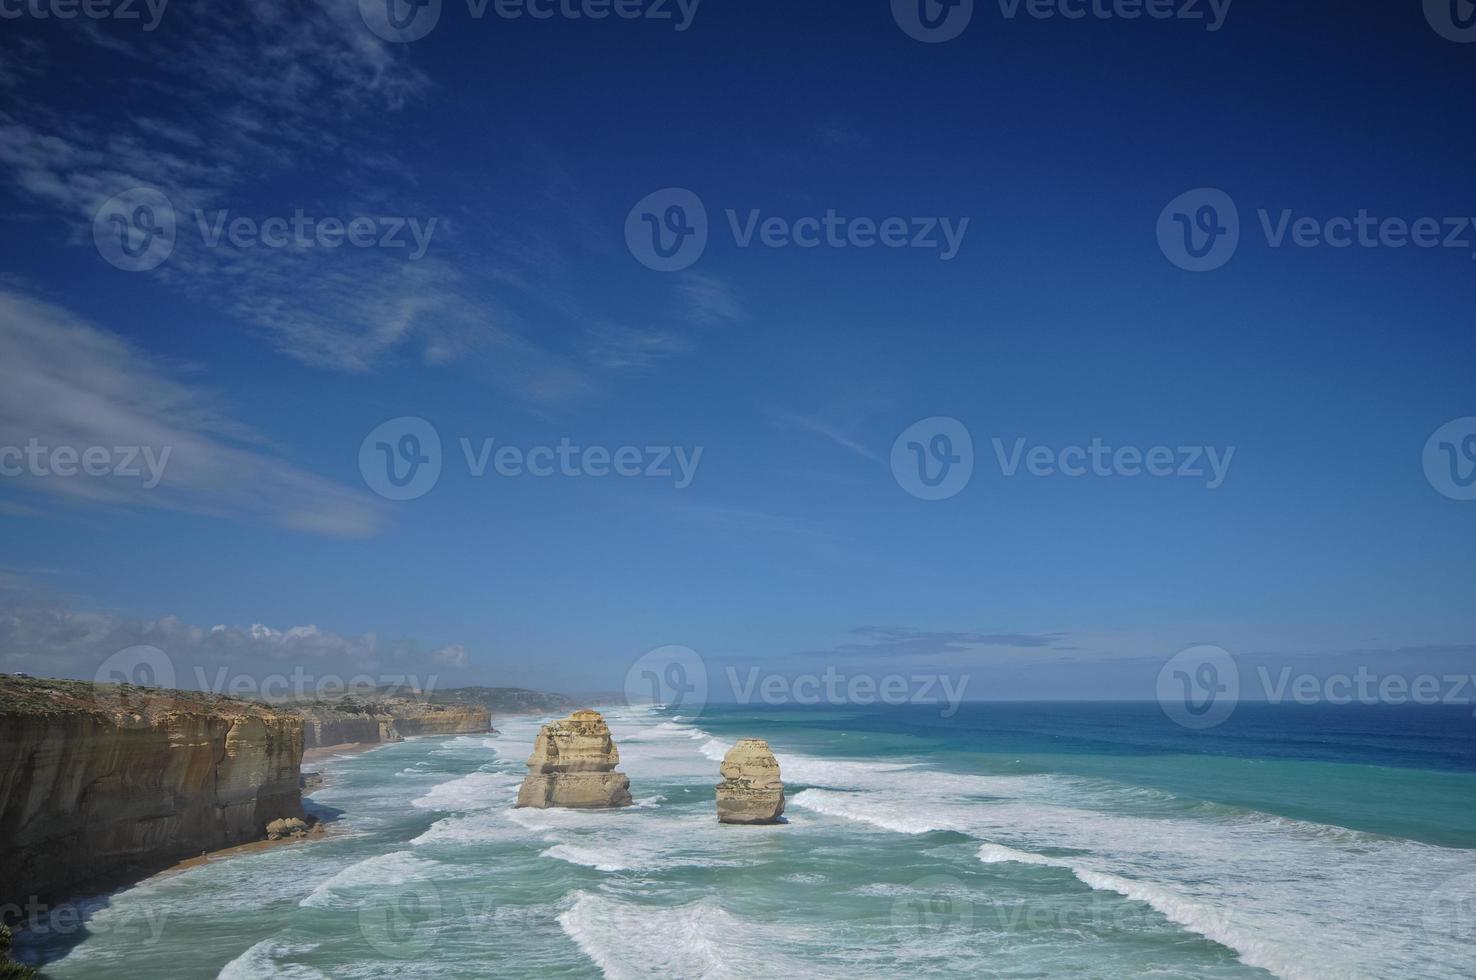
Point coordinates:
[(826, 430), (52, 639), (64, 382)]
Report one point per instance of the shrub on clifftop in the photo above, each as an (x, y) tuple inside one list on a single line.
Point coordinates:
[(9, 970)]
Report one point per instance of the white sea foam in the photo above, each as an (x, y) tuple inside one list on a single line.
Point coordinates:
[(1300, 900), (260, 962), (697, 940), (476, 791), (897, 816), (397, 868)]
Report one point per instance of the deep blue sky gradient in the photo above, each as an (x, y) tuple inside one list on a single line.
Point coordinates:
[(1059, 321)]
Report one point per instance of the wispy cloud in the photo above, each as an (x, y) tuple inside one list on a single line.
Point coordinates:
[(906, 643), (260, 96), (705, 298), (64, 382), (825, 430)]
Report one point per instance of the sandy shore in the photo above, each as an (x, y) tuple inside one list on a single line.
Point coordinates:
[(325, 752), (225, 854), (321, 832)]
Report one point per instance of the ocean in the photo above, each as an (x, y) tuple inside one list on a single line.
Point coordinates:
[(1009, 840)]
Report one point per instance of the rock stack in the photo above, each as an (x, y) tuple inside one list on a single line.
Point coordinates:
[(573, 765), (751, 791)]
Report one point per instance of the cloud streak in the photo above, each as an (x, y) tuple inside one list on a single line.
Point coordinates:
[(66, 383)]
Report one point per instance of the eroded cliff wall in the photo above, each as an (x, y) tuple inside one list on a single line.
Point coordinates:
[(98, 781), (351, 720)]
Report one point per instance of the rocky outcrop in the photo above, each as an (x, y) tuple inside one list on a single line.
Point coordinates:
[(374, 719), (100, 782), (573, 765), (751, 790), (287, 827)]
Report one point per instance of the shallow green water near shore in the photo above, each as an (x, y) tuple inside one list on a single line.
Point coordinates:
[(1010, 841)]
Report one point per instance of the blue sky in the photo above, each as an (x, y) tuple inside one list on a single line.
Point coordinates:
[(528, 321)]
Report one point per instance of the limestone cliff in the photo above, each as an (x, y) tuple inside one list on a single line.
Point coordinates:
[(386, 719), (573, 765), (751, 790), (101, 781)]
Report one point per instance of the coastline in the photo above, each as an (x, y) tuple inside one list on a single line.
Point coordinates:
[(126, 878), (320, 832), (323, 753)]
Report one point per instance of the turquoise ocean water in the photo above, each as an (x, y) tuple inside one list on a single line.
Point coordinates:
[(1004, 841)]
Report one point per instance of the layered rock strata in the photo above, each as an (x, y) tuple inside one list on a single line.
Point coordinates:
[(372, 720), (101, 782), (573, 765), (751, 790)]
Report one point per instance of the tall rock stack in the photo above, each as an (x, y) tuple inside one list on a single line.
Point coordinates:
[(573, 765), (751, 791)]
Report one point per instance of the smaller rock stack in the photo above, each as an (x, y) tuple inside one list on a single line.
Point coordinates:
[(751, 791), (573, 765)]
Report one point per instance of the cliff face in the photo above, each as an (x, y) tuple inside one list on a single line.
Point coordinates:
[(354, 720), (436, 719), (98, 781)]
